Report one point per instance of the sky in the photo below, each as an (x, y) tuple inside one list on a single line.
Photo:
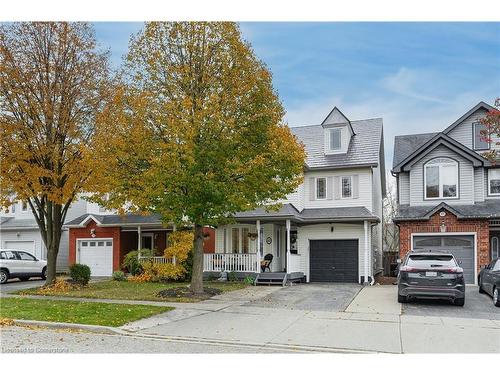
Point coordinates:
[(419, 77)]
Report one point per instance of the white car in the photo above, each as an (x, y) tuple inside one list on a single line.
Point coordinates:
[(20, 264)]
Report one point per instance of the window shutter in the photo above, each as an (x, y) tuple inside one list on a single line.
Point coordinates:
[(336, 187), (355, 186), (312, 188), (329, 188)]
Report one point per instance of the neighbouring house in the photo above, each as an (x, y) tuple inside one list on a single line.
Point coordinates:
[(329, 229), (448, 193), (92, 235)]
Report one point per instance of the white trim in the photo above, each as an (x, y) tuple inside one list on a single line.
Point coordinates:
[(489, 182), (316, 188), (420, 234), (440, 185)]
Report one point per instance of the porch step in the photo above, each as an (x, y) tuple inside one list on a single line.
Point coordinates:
[(271, 278)]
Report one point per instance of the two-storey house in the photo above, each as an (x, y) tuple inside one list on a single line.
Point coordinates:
[(329, 229), (448, 193)]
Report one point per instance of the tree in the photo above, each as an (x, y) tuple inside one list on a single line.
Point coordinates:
[(53, 82), (390, 233), (492, 131), (201, 133)]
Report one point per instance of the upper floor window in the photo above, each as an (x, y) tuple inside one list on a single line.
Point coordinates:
[(335, 139), (480, 137), (24, 206), (321, 188), (494, 182), (441, 178), (346, 187)]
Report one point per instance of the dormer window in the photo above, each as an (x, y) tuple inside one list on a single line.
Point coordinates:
[(441, 179), (335, 139), (480, 137), (24, 206)]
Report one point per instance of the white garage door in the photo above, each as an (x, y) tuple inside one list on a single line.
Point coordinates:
[(28, 246), (98, 255)]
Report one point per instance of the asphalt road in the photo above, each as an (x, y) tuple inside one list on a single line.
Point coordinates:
[(477, 306), (15, 285)]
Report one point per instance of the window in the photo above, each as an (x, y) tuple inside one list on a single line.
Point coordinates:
[(244, 240), (24, 206), (9, 255), (494, 182), (428, 261), (261, 242), (13, 208), (108, 243), (480, 137), (347, 187), (321, 188), (495, 250), (278, 242), (335, 139), (441, 178), (496, 266), (235, 239), (2, 255), (25, 256)]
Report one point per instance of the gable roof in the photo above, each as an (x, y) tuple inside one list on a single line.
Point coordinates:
[(364, 149), (337, 117), (469, 112), (116, 220), (437, 140)]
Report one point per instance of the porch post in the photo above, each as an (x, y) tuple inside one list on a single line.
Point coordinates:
[(139, 239), (366, 226), (287, 245), (257, 224)]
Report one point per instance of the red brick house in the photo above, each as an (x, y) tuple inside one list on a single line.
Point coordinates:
[(448, 193), (102, 241)]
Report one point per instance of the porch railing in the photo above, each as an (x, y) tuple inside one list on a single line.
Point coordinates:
[(157, 259), (218, 262)]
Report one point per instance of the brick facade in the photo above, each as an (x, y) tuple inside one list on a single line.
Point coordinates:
[(451, 224)]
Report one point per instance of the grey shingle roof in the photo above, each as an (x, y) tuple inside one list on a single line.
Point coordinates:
[(310, 214), (489, 209), (12, 222), (127, 219), (405, 145), (363, 150)]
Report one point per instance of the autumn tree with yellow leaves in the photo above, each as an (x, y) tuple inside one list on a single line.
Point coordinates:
[(53, 82), (196, 133)]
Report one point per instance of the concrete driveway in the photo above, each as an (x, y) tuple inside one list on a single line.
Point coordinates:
[(477, 306), (310, 297)]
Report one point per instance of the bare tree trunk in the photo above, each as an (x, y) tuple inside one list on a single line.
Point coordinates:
[(197, 275), (51, 235)]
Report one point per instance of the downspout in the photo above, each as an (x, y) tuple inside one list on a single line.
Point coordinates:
[(372, 279)]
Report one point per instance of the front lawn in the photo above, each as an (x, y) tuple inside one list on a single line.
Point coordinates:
[(95, 313), (131, 290)]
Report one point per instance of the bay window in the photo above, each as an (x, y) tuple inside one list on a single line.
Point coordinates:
[(441, 179)]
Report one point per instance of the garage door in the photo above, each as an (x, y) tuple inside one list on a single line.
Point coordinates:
[(462, 247), (98, 255), (334, 260), (28, 246)]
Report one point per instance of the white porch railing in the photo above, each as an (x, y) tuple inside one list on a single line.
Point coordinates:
[(218, 262), (157, 259), (294, 263)]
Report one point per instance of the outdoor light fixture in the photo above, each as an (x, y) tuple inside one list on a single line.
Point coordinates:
[(92, 233)]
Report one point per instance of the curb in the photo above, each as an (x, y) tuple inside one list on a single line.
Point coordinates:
[(59, 325)]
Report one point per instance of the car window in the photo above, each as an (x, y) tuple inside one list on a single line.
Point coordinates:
[(2, 255), (9, 255), (25, 256), (429, 261), (496, 266)]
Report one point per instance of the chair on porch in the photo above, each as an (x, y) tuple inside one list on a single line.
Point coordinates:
[(268, 258)]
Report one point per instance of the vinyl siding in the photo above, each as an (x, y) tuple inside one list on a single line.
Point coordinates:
[(365, 197), (404, 188), (466, 179), (479, 185), (463, 132)]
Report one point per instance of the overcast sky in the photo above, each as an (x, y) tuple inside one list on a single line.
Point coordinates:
[(419, 77)]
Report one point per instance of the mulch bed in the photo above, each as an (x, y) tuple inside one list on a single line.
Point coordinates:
[(385, 280), (185, 292)]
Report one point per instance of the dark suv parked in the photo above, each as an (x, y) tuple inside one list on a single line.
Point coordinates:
[(425, 274), (489, 281)]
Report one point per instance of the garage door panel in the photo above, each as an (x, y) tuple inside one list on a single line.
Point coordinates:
[(461, 246), (334, 260), (98, 255)]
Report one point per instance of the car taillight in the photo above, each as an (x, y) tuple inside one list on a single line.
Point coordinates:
[(407, 269), (454, 270)]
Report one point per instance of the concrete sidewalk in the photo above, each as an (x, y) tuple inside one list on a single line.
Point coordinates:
[(378, 299)]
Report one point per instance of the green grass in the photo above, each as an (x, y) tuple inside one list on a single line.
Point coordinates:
[(94, 313), (132, 291)]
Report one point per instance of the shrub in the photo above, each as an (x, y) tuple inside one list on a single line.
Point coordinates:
[(249, 280), (160, 272), (181, 247), (119, 276), (80, 273), (232, 276), (131, 263)]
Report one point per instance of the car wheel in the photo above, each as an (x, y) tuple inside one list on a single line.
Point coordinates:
[(401, 299), (496, 297), (481, 290), (4, 276), (44, 273), (24, 278), (459, 301)]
